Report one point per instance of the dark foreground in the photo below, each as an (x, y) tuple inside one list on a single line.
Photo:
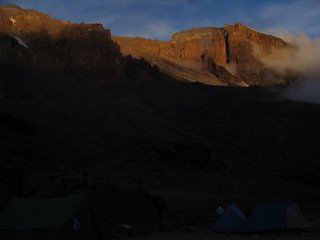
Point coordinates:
[(160, 155)]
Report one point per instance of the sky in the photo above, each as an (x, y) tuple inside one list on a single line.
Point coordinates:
[(159, 19)]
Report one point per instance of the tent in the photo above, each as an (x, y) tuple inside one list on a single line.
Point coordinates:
[(276, 216), (231, 220), (48, 219)]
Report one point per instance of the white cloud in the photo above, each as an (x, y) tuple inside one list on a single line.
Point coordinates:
[(305, 61), (153, 30)]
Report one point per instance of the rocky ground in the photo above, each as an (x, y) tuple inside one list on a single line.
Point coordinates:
[(192, 147), (208, 235)]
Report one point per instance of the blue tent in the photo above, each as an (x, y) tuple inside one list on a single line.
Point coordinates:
[(231, 220), (265, 217), (268, 217)]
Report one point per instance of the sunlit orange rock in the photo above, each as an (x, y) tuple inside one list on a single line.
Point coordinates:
[(231, 54), (57, 44)]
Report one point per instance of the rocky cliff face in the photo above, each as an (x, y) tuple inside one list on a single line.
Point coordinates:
[(32, 38), (17, 20), (216, 56), (230, 54)]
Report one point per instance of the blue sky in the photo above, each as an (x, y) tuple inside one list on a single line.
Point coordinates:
[(159, 19)]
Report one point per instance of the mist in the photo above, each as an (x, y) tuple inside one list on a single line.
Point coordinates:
[(303, 60)]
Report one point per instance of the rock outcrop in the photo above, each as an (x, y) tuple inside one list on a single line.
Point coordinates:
[(231, 55), (35, 39)]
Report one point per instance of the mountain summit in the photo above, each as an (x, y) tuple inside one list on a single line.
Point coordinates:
[(54, 44), (228, 55)]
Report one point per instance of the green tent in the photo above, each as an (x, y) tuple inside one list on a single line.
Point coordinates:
[(47, 219)]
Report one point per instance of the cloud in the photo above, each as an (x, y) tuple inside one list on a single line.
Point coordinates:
[(157, 30), (305, 61), (307, 91)]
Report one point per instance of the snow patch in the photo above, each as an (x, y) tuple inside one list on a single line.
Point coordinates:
[(20, 41), (243, 84), (12, 20)]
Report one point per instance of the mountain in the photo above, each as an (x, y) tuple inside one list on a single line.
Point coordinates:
[(230, 55), (78, 116), (57, 45)]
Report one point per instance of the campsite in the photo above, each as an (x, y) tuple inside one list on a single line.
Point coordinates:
[(72, 217)]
